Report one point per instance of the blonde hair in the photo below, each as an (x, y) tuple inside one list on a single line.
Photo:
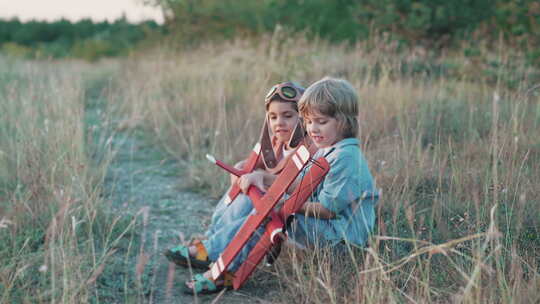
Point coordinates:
[(335, 98)]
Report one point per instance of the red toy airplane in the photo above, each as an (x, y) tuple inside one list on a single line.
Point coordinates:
[(264, 204)]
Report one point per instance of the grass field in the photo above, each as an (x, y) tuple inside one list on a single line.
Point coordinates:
[(451, 140), (55, 233)]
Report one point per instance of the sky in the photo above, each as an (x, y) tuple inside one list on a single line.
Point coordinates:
[(74, 10)]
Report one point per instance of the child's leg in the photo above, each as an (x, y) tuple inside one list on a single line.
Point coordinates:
[(226, 213), (223, 235), (310, 232), (220, 237), (226, 221)]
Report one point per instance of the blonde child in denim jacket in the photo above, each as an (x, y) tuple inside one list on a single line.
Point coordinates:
[(342, 208), (280, 137)]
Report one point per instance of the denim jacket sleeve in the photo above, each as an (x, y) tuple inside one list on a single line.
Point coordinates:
[(340, 187)]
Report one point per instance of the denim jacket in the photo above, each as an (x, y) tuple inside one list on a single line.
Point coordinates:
[(348, 191)]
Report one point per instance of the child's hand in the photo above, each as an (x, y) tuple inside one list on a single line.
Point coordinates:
[(233, 178), (255, 178), (239, 165)]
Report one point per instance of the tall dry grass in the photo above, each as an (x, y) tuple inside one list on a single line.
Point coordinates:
[(55, 237), (451, 140)]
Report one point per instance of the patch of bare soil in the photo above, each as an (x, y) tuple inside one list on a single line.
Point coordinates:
[(142, 185)]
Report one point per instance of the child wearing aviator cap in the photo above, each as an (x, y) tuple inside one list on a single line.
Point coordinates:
[(281, 134)]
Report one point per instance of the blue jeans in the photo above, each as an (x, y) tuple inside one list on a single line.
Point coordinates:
[(226, 221)]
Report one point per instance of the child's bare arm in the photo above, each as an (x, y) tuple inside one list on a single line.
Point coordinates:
[(316, 210)]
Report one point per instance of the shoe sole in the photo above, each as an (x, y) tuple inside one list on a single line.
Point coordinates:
[(184, 262), (190, 291)]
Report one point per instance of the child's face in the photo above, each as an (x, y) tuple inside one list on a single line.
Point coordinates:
[(282, 118), (322, 129)]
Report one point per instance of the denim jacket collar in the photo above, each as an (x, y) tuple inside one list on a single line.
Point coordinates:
[(346, 142), (340, 144)]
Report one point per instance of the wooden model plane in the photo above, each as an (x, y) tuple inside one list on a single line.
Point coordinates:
[(265, 215)]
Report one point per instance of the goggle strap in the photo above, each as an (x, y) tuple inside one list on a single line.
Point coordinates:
[(267, 151), (271, 92), (298, 135)]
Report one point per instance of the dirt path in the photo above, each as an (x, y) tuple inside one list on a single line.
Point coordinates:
[(142, 182)]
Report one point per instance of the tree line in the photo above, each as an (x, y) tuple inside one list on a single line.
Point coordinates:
[(353, 20), (83, 39), (438, 24)]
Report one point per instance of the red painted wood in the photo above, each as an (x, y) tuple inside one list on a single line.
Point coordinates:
[(232, 170), (255, 256), (264, 206), (304, 190), (312, 179), (250, 164)]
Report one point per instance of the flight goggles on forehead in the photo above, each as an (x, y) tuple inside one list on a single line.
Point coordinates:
[(288, 91)]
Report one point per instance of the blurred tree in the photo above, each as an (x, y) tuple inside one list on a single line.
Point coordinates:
[(432, 20), (428, 21), (7, 29), (63, 38), (334, 20)]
